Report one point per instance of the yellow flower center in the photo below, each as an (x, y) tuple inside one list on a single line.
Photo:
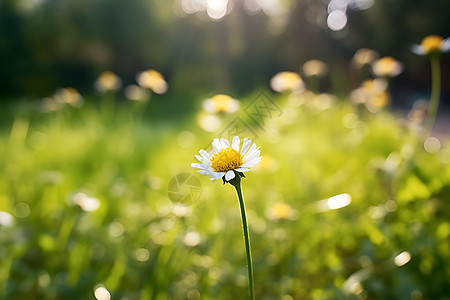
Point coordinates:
[(387, 64), (292, 80), (222, 102), (432, 43), (226, 160)]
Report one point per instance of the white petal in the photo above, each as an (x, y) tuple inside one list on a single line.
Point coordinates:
[(445, 46), (235, 143), (217, 146), (230, 175), (200, 166), (245, 145), (242, 169), (225, 143), (217, 175), (251, 163), (202, 159), (250, 152), (205, 154), (417, 49), (206, 172), (252, 156)]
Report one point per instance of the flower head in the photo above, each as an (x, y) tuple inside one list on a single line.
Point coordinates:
[(387, 67), (108, 81), (364, 56), (315, 67), (221, 103), (287, 81), (227, 160), (432, 44), (68, 96), (372, 93), (153, 80)]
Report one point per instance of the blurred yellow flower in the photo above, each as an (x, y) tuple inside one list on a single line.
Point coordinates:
[(108, 81), (432, 44), (387, 67), (226, 159), (364, 56), (372, 94), (315, 67), (221, 103), (68, 96), (280, 211), (153, 80), (287, 81)]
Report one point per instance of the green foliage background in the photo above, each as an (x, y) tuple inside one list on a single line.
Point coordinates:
[(55, 250)]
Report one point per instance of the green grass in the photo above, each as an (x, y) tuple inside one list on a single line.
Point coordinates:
[(55, 250)]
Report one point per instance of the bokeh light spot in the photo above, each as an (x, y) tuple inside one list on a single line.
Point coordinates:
[(142, 254), (85, 202), (101, 293), (6, 219), (192, 239), (402, 259), (116, 229), (339, 201), (209, 123), (337, 20), (432, 144), (22, 210)]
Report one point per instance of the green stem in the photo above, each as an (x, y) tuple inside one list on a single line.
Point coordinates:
[(435, 91), (246, 239)]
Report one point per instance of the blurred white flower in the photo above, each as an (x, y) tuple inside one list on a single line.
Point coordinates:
[(432, 44), (221, 103), (287, 82)]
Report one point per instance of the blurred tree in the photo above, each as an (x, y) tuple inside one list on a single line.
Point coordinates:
[(48, 44)]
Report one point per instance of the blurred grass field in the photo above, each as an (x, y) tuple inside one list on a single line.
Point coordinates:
[(85, 209)]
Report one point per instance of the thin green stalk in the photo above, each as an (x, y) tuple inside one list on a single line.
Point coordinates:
[(435, 91), (246, 239)]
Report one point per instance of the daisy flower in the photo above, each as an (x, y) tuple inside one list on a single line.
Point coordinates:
[(108, 81), (152, 79), (287, 81), (229, 162), (226, 161), (387, 67), (431, 44), (221, 103), (315, 67)]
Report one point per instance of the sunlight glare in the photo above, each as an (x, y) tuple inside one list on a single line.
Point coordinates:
[(337, 20), (402, 259), (6, 219), (102, 294), (337, 5), (339, 201)]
